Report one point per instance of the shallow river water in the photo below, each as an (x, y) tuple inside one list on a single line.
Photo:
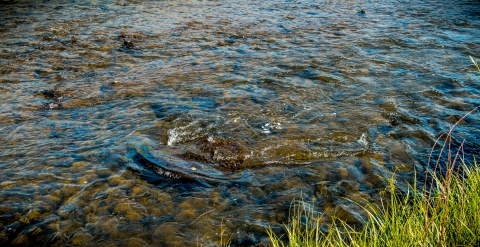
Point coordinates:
[(164, 123)]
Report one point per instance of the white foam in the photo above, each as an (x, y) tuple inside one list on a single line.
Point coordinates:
[(363, 140)]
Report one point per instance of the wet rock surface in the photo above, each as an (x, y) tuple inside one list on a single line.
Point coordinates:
[(203, 158), (54, 98), (227, 154)]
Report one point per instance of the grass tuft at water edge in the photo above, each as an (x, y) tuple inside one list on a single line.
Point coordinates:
[(445, 212)]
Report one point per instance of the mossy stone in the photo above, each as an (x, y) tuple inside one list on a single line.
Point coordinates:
[(342, 172), (80, 166), (82, 237), (136, 242)]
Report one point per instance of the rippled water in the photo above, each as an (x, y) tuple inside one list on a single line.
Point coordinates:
[(265, 100)]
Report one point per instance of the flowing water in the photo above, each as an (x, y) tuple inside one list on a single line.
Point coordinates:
[(164, 123)]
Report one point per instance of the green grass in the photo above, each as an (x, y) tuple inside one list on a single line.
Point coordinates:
[(444, 213), (450, 216)]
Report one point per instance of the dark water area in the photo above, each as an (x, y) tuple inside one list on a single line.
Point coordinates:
[(162, 123)]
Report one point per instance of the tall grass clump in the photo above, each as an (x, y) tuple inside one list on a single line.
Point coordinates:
[(445, 212)]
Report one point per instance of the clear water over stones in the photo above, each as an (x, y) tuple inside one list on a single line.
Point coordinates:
[(248, 104)]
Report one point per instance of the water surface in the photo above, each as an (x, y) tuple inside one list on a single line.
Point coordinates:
[(309, 98)]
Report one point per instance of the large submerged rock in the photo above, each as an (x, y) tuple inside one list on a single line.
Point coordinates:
[(227, 155), (205, 159)]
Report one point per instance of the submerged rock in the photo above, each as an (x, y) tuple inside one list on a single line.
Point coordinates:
[(128, 44), (201, 159), (74, 39), (54, 98), (227, 154), (51, 94)]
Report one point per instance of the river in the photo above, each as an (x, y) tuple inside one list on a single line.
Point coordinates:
[(244, 106)]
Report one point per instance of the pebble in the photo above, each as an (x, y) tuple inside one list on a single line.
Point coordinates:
[(347, 187), (167, 232), (56, 193), (185, 205), (130, 209), (33, 214), (161, 197), (109, 226), (82, 237), (185, 215), (6, 185), (79, 166), (140, 191), (74, 39), (51, 198), (136, 242), (294, 182), (103, 172), (215, 197), (366, 166), (116, 192), (69, 190), (257, 192), (349, 215), (115, 180), (102, 206), (128, 44), (87, 179), (343, 172)]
